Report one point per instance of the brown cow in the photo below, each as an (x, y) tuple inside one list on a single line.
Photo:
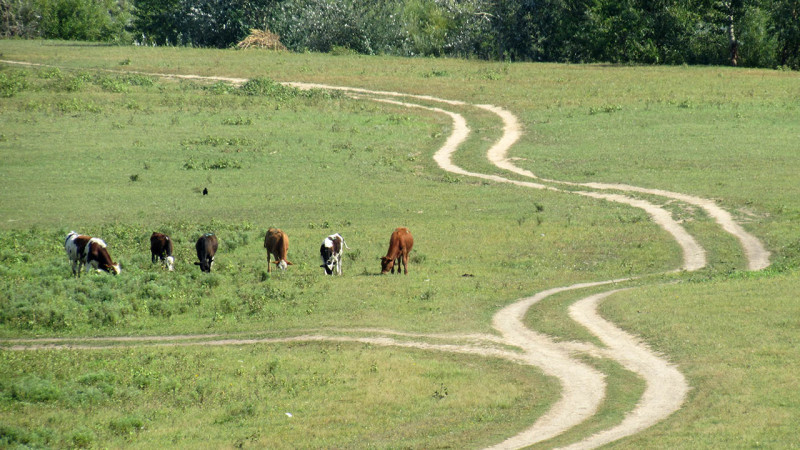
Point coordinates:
[(399, 247), (161, 248), (86, 250), (277, 244)]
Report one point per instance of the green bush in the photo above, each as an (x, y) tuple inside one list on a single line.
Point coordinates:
[(85, 20), (12, 83), (33, 389)]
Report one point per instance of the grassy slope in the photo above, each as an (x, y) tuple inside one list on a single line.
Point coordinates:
[(712, 132)]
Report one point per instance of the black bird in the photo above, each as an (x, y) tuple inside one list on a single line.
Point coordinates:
[(205, 191)]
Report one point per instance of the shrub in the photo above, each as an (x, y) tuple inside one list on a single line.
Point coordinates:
[(126, 425), (33, 389), (101, 20), (266, 87), (82, 438), (12, 83)]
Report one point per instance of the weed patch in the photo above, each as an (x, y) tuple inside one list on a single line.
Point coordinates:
[(12, 83), (218, 164)]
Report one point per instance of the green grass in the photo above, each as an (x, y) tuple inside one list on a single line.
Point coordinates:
[(736, 340), (263, 396), (119, 156)]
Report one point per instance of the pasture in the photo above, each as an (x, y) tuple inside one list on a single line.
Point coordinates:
[(91, 146)]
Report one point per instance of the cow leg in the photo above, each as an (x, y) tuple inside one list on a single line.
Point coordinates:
[(269, 269), (152, 257), (405, 264)]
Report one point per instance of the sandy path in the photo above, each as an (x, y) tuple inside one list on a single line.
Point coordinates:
[(757, 256), (666, 387), (583, 387)]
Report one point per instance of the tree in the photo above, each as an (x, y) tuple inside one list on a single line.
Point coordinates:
[(512, 30), (203, 23), (157, 21), (786, 29), (731, 12), (86, 20)]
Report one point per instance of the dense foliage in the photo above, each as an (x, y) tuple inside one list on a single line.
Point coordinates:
[(756, 33)]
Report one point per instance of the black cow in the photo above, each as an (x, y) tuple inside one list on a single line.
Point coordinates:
[(161, 248), (206, 249)]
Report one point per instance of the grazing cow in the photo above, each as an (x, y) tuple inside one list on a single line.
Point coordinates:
[(161, 248), (277, 244), (206, 249), (399, 247), (91, 252), (331, 253)]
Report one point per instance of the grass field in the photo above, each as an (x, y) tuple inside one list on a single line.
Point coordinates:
[(121, 155)]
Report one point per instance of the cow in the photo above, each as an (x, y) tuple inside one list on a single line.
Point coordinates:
[(331, 253), (161, 248), (277, 244), (89, 251), (206, 250), (399, 247)]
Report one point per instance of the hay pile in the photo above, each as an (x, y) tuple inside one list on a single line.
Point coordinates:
[(261, 39)]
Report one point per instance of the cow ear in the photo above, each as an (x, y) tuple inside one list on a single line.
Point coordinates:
[(289, 264), (196, 263)]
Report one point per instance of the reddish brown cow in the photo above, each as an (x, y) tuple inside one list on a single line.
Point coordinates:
[(86, 250), (399, 247), (277, 244)]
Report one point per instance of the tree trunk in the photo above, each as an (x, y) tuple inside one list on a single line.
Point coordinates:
[(733, 44)]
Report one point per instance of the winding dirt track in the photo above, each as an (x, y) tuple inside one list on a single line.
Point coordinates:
[(583, 387)]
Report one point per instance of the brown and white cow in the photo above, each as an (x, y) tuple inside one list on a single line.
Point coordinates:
[(206, 248), (277, 244), (91, 252), (331, 253), (399, 247), (161, 248)]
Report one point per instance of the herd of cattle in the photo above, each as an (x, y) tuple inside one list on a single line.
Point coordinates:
[(92, 252)]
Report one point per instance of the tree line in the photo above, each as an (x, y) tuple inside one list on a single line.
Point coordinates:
[(751, 33)]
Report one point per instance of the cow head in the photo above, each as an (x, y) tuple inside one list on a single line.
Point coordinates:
[(170, 263), (205, 266), (114, 268), (387, 264), (282, 264)]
